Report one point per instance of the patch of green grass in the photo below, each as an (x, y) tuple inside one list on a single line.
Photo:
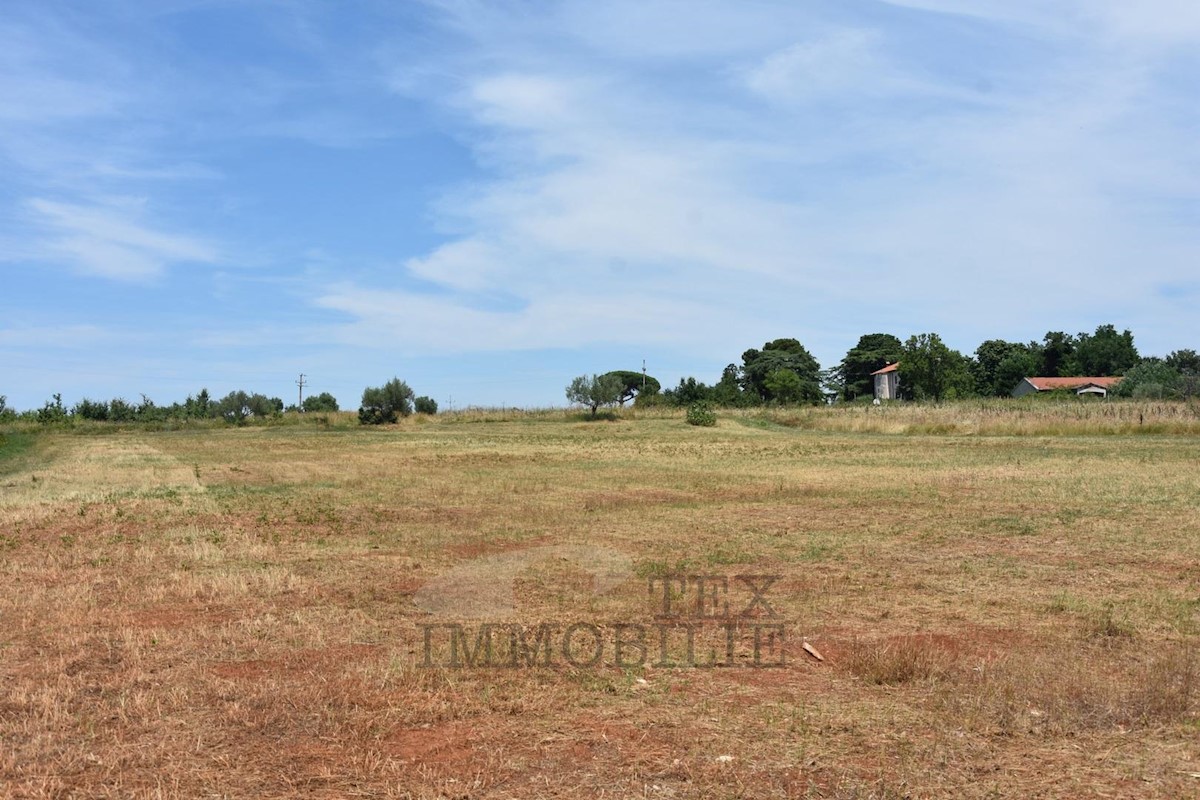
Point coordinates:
[(1017, 525), (15, 449), (820, 547), (1105, 624), (728, 554)]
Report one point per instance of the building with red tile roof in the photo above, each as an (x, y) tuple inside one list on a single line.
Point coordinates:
[(887, 382), (1078, 385)]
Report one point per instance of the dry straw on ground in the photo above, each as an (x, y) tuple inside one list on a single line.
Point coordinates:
[(1007, 606)]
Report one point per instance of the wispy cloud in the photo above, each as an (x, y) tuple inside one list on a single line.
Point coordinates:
[(106, 241), (681, 178), (840, 62), (61, 336), (1153, 23), (873, 173)]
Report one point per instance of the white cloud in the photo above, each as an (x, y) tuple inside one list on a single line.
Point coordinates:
[(413, 324), (522, 101), (691, 176), (470, 265), (1116, 22), (840, 61), (1154, 22), (874, 177), (104, 241)]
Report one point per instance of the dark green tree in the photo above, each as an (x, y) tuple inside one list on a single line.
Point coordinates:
[(632, 384), (1184, 361), (149, 411), (874, 351), (995, 363), (266, 406), (198, 407), (320, 402), (594, 391), (1013, 368), (52, 412), (239, 406), (1057, 349), (785, 386), (1104, 352), (120, 410), (203, 404), (728, 391), (234, 407), (781, 354), (425, 405), (689, 391), (929, 370), (96, 410), (1188, 364)]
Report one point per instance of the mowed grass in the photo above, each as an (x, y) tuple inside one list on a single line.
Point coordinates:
[(237, 612)]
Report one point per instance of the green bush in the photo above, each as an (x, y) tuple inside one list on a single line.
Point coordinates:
[(383, 404), (119, 410), (372, 415), (425, 405), (701, 413), (52, 413), (320, 402), (1151, 378), (91, 409), (653, 401), (238, 406)]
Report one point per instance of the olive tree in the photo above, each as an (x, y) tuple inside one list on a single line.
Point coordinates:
[(382, 404), (595, 391)]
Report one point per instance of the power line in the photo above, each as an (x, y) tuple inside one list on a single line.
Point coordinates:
[(300, 384)]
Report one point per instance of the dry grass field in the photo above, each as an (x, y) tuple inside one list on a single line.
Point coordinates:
[(1007, 605)]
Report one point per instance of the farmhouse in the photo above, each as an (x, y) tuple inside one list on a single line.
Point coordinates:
[(887, 382), (1080, 386)]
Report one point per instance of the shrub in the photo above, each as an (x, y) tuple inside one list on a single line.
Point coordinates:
[(425, 405), (374, 415), (652, 401), (1150, 378), (383, 404), (701, 413), (119, 410), (91, 409), (238, 406), (51, 413), (320, 402)]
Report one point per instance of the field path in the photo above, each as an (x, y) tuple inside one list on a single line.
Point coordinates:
[(69, 470)]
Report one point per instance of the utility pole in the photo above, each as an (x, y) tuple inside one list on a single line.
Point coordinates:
[(300, 402)]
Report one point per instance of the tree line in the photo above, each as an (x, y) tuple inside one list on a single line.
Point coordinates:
[(381, 404), (236, 407), (783, 371)]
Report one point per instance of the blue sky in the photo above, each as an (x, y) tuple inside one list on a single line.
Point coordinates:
[(488, 198)]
